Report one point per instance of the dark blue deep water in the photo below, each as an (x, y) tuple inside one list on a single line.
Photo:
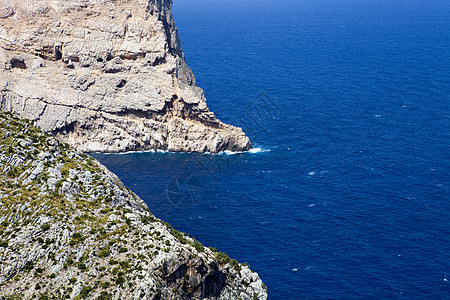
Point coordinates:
[(349, 101)]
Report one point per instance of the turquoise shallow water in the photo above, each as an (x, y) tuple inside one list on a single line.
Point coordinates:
[(349, 101)]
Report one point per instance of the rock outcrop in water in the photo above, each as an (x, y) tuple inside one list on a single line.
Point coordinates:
[(70, 229), (106, 76)]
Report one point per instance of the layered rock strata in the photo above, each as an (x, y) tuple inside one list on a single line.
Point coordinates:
[(69, 229), (106, 76)]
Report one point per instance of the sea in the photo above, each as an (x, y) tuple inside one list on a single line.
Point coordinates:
[(346, 194)]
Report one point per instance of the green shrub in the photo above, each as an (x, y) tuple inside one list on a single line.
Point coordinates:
[(178, 235), (85, 291), (222, 258), (76, 239), (120, 280), (104, 252), (199, 246), (234, 263), (104, 296), (106, 284), (29, 265), (58, 185), (82, 266), (147, 219)]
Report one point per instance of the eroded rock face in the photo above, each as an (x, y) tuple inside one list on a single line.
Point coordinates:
[(106, 76)]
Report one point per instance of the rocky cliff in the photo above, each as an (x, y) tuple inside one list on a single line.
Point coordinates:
[(106, 76), (70, 229)]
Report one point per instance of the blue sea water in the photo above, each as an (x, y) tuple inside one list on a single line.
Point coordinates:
[(350, 103)]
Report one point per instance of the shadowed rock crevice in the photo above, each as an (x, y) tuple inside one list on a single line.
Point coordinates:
[(162, 9), (18, 62)]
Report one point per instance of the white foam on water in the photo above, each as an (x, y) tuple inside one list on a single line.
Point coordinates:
[(251, 151), (258, 150), (133, 152), (226, 152), (312, 173)]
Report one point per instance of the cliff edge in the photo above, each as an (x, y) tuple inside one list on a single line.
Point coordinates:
[(106, 76), (69, 229)]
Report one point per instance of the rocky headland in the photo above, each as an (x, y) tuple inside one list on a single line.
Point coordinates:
[(106, 76), (69, 229)]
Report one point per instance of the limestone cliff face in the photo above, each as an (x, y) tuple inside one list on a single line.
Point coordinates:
[(69, 229), (106, 76)]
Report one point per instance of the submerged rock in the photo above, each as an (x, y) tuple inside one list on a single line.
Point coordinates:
[(106, 76)]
